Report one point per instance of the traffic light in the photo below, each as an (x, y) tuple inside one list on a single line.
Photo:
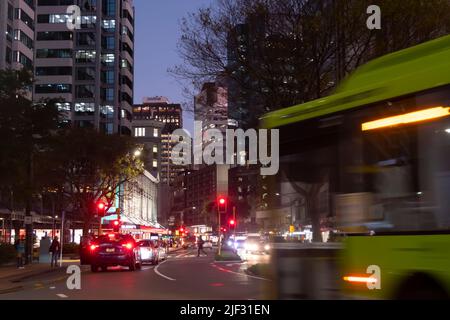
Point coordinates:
[(222, 204), (116, 224), (232, 223), (101, 208), (181, 229)]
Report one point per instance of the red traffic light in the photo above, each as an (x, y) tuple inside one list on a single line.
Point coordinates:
[(232, 222), (181, 229), (116, 222), (222, 201), (101, 206)]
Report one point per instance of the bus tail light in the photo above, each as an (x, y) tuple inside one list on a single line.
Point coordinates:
[(360, 279)]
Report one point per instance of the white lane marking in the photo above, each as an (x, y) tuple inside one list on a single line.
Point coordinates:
[(147, 268), (63, 296), (239, 273), (160, 274)]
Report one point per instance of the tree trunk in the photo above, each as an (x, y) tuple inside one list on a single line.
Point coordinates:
[(314, 214)]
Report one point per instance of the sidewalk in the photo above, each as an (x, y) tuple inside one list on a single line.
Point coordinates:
[(10, 276)]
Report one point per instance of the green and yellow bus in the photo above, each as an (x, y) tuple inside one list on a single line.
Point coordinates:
[(378, 151)]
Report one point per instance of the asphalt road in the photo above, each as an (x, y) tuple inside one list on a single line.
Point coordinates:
[(183, 276)]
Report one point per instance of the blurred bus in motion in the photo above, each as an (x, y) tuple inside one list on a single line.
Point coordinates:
[(376, 156)]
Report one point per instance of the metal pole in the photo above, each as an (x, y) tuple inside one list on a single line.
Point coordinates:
[(235, 223), (62, 238), (220, 233)]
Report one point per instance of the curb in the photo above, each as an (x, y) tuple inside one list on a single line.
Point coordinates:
[(229, 261), (11, 289), (31, 274)]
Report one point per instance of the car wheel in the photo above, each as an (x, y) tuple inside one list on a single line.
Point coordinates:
[(94, 268)]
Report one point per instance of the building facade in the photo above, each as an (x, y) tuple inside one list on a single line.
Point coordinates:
[(148, 133), (171, 116), (17, 29), (90, 66)]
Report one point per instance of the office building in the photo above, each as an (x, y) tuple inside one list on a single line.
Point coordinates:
[(90, 67), (171, 116), (17, 34)]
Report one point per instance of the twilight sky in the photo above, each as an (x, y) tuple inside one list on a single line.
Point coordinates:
[(157, 34)]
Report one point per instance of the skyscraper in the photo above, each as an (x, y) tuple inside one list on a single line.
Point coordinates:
[(16, 34), (90, 66), (171, 115)]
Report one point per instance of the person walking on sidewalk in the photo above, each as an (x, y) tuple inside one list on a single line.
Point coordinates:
[(200, 243), (55, 249), (20, 248)]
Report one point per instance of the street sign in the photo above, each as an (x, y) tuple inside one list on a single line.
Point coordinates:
[(291, 229)]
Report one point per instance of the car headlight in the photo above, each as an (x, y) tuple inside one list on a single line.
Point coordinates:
[(230, 243), (267, 247)]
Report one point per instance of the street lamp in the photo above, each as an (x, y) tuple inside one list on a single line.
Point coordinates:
[(137, 153)]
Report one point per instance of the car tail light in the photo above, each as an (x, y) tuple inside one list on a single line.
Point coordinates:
[(93, 247), (129, 246)]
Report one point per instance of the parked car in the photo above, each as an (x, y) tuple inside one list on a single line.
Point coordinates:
[(114, 249), (149, 251)]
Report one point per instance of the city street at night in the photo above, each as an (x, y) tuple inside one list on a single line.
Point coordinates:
[(193, 154), (183, 276)]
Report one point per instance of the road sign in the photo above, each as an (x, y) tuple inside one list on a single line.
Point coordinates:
[(291, 229)]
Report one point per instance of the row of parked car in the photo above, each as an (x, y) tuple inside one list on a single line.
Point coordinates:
[(115, 249)]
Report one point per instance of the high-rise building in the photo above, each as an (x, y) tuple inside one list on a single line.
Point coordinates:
[(90, 67), (148, 133), (17, 34), (171, 116)]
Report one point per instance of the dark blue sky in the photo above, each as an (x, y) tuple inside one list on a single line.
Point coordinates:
[(157, 34)]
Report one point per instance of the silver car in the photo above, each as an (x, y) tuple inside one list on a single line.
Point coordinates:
[(149, 252)]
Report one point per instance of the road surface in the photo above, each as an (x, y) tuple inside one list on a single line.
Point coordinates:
[(183, 276)]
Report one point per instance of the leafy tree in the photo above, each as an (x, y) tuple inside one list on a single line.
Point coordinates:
[(87, 166), (25, 128)]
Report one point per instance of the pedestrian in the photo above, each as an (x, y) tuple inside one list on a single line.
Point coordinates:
[(55, 249), (200, 243), (20, 248)]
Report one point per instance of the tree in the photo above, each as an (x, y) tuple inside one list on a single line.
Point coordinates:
[(88, 166), (25, 128), (279, 53)]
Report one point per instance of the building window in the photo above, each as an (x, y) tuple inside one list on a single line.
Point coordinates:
[(139, 132), (108, 59), (64, 106), (53, 53), (155, 133), (108, 77), (85, 56), (155, 163), (108, 94), (109, 7), (107, 112), (84, 108), (155, 149), (109, 25), (85, 91), (53, 88)]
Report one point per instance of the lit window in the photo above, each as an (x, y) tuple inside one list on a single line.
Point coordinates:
[(155, 164), (155, 149), (139, 132), (155, 133)]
